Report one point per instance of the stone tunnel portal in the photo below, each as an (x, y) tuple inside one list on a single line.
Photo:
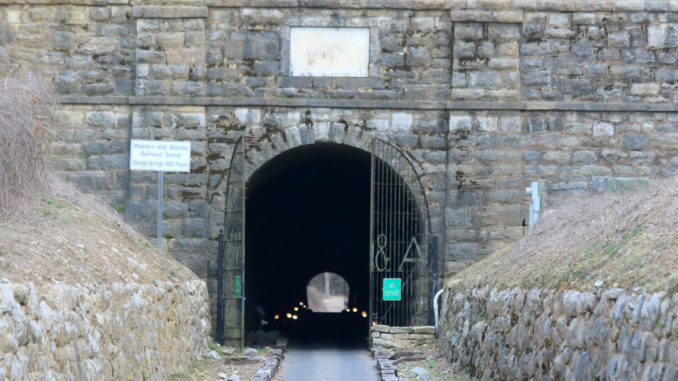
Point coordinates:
[(308, 212)]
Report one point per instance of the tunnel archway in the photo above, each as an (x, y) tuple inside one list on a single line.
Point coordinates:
[(308, 212)]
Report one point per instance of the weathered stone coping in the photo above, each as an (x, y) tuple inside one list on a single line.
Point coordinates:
[(366, 104), (164, 12), (508, 6), (270, 367), (386, 368), (401, 337), (531, 5)]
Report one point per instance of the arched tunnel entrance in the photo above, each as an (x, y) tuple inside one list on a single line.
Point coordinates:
[(308, 212)]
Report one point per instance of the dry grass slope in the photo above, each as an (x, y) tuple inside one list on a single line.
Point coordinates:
[(625, 241), (65, 236)]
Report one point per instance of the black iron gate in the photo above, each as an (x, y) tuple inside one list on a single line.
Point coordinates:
[(231, 262), (401, 256)]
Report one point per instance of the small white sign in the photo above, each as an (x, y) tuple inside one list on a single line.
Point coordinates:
[(160, 156), (329, 52)]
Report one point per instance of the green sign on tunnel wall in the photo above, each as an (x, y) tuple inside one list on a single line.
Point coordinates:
[(238, 288), (391, 289)]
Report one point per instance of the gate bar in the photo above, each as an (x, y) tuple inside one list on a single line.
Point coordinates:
[(220, 289), (242, 218), (371, 269)]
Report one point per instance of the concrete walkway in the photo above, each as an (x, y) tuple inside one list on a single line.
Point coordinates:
[(328, 364)]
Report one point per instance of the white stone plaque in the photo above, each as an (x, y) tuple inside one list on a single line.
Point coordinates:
[(329, 52), (160, 156)]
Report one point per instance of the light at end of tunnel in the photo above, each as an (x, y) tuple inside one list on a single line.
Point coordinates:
[(363, 314), (355, 309), (296, 308), (289, 315), (276, 317), (295, 317)]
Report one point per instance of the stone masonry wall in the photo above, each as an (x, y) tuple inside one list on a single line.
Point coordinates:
[(113, 332), (84, 49), (248, 47), (484, 96), (600, 51), (568, 335), (608, 57)]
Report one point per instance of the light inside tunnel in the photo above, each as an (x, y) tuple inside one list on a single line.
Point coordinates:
[(327, 292)]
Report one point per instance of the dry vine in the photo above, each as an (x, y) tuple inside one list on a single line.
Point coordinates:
[(26, 115)]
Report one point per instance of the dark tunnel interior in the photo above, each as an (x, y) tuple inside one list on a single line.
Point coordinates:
[(308, 212)]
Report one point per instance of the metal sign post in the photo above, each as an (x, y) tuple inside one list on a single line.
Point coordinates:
[(160, 156), (536, 191), (160, 210)]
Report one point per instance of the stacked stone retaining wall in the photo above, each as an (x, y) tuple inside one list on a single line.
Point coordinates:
[(401, 337), (113, 332), (601, 334)]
